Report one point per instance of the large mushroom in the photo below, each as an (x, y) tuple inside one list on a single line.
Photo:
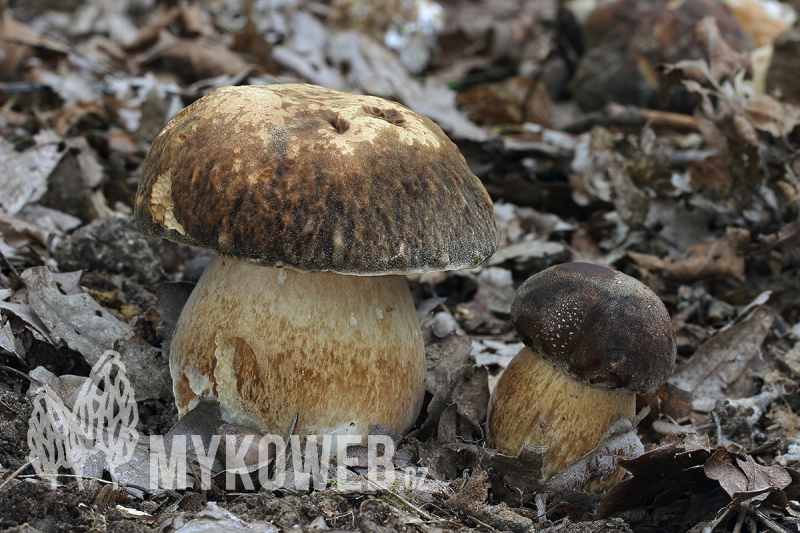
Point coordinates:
[(315, 202), (594, 337)]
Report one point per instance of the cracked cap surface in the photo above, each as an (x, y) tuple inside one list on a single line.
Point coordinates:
[(315, 179)]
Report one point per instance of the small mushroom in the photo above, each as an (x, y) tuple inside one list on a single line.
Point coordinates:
[(315, 202), (594, 337)]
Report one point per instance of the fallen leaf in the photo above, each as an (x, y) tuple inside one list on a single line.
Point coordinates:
[(618, 442), (738, 475), (443, 356), (147, 368), (770, 115), (715, 259), (442, 400), (673, 401), (17, 32), (52, 220), (725, 60), (721, 361), (515, 480), (23, 175), (9, 342), (496, 287), (471, 397), (527, 249), (515, 100), (31, 319), (66, 388), (662, 470), (196, 59), (491, 352), (78, 320)]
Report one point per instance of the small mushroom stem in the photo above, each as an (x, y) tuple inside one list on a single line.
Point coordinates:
[(340, 352), (537, 403)]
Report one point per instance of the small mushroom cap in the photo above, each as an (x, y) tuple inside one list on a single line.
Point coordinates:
[(600, 326), (315, 179)]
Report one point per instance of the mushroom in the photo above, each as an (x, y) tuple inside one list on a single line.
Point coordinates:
[(315, 203), (594, 337)]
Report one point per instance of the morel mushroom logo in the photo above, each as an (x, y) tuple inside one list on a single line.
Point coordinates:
[(101, 421), (48, 429)]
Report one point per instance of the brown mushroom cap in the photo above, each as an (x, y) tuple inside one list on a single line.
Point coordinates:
[(315, 179), (600, 326)]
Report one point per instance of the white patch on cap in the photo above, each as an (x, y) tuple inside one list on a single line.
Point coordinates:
[(161, 203)]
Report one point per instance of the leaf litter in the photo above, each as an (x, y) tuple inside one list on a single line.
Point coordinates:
[(692, 188)]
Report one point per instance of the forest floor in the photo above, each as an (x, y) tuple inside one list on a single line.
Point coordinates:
[(670, 155)]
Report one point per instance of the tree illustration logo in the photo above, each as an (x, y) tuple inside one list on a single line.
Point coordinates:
[(102, 421)]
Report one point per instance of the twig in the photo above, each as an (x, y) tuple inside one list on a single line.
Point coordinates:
[(541, 507), (770, 523), (775, 443), (487, 526), (17, 471), (715, 415), (386, 490), (13, 270), (75, 476), (13, 87), (633, 117), (171, 492), (740, 520), (17, 372)]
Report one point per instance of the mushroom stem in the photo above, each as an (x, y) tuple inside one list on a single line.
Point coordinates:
[(341, 352), (537, 403)]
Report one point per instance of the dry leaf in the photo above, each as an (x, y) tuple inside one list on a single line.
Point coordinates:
[(496, 287), (27, 315), (618, 442), (738, 475), (721, 362), (724, 60), (23, 175), (707, 260), (770, 115), (443, 356), (16, 32), (655, 472), (196, 59), (526, 249), (77, 320)]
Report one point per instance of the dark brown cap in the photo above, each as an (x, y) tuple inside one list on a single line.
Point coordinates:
[(315, 179), (600, 326)]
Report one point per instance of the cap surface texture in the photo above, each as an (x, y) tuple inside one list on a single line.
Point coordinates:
[(315, 179), (600, 326)]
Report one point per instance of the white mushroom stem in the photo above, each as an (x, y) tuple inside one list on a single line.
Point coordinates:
[(341, 352), (537, 403)]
